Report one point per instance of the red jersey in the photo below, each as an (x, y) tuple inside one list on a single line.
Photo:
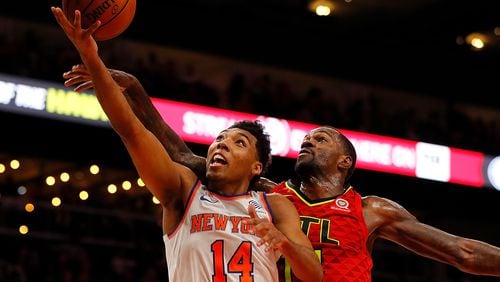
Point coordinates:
[(337, 230)]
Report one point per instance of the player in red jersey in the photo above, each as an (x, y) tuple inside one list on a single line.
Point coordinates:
[(336, 230), (341, 225)]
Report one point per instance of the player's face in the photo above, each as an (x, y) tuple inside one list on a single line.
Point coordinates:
[(320, 149), (233, 156)]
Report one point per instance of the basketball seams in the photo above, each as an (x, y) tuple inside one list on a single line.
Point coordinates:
[(84, 10), (112, 24), (69, 7), (116, 15)]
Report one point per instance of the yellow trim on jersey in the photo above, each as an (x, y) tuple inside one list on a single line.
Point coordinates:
[(307, 202)]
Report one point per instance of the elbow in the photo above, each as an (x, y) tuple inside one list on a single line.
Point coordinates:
[(463, 257), (320, 275), (317, 274), (477, 258), (314, 275)]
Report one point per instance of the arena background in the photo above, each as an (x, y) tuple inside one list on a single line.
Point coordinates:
[(395, 69)]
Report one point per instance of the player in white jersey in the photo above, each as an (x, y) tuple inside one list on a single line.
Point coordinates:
[(235, 160), (223, 232), (215, 243)]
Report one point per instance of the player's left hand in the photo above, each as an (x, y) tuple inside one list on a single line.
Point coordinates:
[(270, 236), (80, 78)]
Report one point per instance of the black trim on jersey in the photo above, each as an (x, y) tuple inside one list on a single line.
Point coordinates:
[(296, 189)]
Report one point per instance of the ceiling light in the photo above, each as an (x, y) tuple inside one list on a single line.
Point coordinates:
[(321, 7), (476, 40)]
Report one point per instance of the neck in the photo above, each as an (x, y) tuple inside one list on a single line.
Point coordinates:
[(228, 188), (318, 187)]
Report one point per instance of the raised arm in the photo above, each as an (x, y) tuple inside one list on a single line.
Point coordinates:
[(147, 113), (166, 179), (399, 226)]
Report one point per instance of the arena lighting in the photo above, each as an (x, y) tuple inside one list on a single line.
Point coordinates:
[(493, 172), (201, 124), (321, 7), (477, 40)]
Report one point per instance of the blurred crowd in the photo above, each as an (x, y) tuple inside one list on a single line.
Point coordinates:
[(211, 81), (44, 53)]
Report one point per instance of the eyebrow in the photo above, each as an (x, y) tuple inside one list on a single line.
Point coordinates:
[(327, 132), (239, 133), (246, 137)]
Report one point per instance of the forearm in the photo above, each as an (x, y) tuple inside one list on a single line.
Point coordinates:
[(108, 93), (479, 258), (468, 255), (303, 262), (147, 113)]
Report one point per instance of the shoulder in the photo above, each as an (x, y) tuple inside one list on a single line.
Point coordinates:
[(187, 175), (278, 199), (283, 211), (188, 180), (383, 208), (280, 203), (379, 202)]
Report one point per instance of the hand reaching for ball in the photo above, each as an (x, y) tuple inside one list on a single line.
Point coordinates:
[(115, 16)]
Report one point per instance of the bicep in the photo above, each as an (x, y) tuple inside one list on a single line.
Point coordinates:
[(287, 221), (403, 228)]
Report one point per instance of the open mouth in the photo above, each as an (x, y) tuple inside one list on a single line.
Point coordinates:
[(218, 159), (304, 151)]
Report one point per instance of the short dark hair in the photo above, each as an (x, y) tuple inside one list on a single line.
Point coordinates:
[(263, 143), (351, 151)]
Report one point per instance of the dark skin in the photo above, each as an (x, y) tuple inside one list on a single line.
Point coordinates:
[(232, 162), (323, 166)]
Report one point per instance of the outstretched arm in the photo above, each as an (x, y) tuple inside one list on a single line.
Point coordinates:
[(144, 109), (149, 157), (147, 113), (399, 226)]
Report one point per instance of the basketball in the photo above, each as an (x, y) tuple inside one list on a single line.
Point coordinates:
[(115, 15)]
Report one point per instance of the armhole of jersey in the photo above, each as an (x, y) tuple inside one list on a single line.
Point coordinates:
[(263, 197), (194, 188), (359, 199)]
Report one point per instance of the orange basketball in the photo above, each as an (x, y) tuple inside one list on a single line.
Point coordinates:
[(115, 15)]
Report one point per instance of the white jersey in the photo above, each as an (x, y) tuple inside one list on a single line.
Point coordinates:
[(212, 244)]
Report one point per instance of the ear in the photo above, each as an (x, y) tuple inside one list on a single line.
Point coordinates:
[(345, 162), (257, 168)]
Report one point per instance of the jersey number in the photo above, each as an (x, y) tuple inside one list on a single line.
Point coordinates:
[(240, 262)]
